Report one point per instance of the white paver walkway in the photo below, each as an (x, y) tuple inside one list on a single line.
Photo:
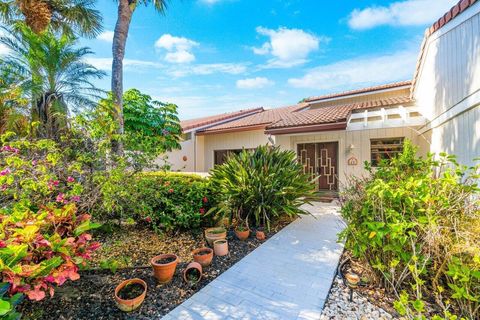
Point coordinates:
[(288, 277)]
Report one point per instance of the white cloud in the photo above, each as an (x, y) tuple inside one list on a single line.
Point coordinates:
[(289, 47), (106, 63), (178, 48), (355, 72), (106, 36), (400, 13), (209, 68), (179, 57), (254, 83)]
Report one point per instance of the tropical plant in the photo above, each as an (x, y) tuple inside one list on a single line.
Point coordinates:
[(168, 201), (52, 74), (68, 16), (416, 223), (259, 186), (126, 9), (151, 127), (8, 304), (13, 111)]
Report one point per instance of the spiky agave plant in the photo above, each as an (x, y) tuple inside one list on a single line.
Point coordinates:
[(256, 187)]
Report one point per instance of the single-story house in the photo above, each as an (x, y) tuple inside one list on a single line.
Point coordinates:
[(334, 134)]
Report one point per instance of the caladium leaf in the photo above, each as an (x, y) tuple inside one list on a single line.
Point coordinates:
[(46, 267), (13, 254), (5, 307), (84, 227)]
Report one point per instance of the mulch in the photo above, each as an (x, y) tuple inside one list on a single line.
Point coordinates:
[(91, 297)]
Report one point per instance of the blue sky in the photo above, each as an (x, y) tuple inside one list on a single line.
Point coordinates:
[(214, 56)]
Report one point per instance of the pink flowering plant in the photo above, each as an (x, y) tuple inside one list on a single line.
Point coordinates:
[(43, 237)]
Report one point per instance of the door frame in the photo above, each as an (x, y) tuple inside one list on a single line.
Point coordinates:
[(339, 155)]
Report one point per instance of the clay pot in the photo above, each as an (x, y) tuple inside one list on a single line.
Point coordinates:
[(164, 272), (203, 256), (220, 247), (260, 235), (130, 304), (242, 234), (193, 268), (217, 233)]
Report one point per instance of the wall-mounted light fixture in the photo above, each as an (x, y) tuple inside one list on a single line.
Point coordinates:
[(351, 147)]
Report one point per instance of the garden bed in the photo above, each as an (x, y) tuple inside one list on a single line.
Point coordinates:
[(91, 297)]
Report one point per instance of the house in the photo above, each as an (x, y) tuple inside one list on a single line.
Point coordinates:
[(333, 135)]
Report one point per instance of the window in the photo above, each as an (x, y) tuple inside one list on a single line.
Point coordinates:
[(384, 149), (186, 136), (222, 155)]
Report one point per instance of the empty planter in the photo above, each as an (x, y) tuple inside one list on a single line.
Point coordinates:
[(129, 294), (164, 267), (193, 273), (217, 233), (203, 256), (220, 247)]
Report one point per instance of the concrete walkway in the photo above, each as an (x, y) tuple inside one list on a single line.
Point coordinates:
[(288, 277)]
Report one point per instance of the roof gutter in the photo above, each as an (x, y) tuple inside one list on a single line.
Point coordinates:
[(229, 130), (305, 129)]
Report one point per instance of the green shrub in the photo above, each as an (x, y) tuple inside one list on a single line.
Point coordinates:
[(259, 186), (416, 222), (169, 201)]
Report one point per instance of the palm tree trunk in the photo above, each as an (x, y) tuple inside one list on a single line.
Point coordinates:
[(118, 50)]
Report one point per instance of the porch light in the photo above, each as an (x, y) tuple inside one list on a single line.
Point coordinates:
[(351, 147)]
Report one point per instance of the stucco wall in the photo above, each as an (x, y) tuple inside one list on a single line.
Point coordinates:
[(234, 140), (359, 139), (448, 86)]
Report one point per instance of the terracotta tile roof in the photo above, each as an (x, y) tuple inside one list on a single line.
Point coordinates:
[(200, 122), (257, 120), (332, 114), (451, 14), (357, 91)]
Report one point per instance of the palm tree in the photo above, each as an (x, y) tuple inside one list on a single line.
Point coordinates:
[(13, 115), (52, 74), (67, 16), (125, 13)]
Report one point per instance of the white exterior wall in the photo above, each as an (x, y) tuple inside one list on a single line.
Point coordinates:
[(448, 87), (175, 158), (234, 140), (360, 139)]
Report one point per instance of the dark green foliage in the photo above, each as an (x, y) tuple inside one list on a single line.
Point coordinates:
[(416, 222), (259, 186), (169, 201)]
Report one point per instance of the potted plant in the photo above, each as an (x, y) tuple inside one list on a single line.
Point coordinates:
[(193, 273), (203, 256), (260, 234), (217, 233), (129, 294), (164, 267), (242, 232), (220, 247)]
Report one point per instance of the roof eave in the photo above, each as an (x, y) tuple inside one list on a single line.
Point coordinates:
[(230, 130), (333, 126)]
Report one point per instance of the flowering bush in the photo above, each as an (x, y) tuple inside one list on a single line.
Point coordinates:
[(170, 201), (43, 240)]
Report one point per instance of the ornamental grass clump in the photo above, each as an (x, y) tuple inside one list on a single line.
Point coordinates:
[(416, 223), (257, 187)]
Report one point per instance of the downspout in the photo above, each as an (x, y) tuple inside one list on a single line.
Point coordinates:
[(194, 151)]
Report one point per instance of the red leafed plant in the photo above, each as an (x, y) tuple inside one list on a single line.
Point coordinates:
[(43, 249)]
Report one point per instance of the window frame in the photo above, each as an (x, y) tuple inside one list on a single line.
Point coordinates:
[(376, 149)]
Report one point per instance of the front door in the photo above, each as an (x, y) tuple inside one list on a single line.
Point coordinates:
[(320, 160)]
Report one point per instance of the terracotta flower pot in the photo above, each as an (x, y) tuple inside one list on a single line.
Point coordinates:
[(193, 273), (164, 271), (203, 256), (242, 234), (220, 247), (128, 305), (260, 235), (217, 233)]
